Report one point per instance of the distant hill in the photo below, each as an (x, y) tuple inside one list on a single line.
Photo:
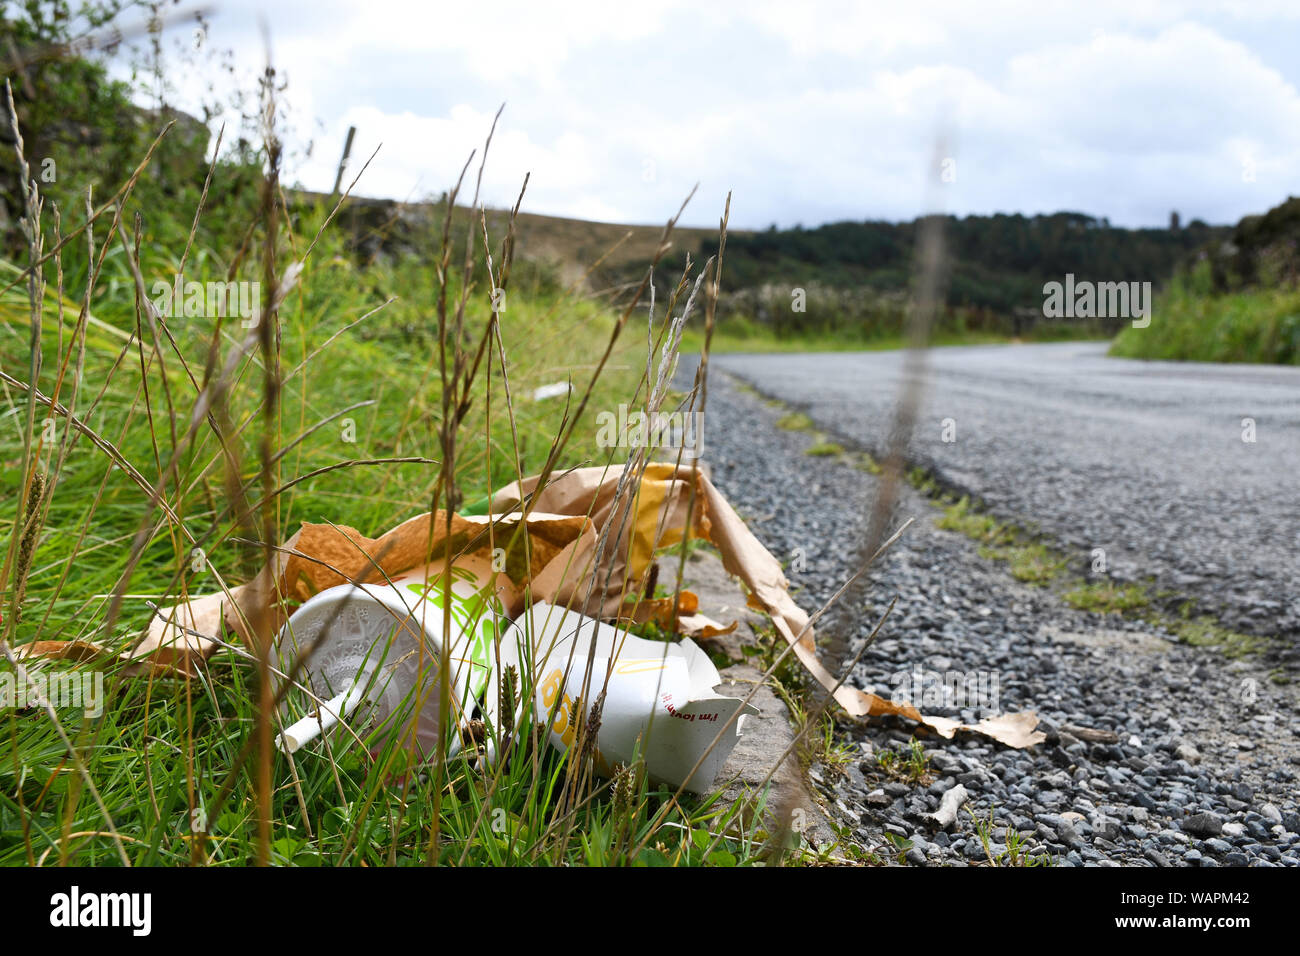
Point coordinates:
[(571, 246), (996, 262), (856, 276)]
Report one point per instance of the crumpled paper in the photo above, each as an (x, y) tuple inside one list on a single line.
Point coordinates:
[(744, 556)]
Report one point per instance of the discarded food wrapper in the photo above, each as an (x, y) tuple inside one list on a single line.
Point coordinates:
[(321, 556), (650, 699), (656, 515), (371, 657), (590, 536)]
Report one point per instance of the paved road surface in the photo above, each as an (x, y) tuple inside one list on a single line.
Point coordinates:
[(1144, 459)]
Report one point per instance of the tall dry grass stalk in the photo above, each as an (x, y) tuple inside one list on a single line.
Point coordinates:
[(186, 403)]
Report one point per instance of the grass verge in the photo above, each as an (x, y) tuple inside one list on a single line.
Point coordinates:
[(759, 341), (1191, 323), (152, 454)]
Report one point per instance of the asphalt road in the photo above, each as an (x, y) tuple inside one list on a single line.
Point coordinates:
[(1146, 460)]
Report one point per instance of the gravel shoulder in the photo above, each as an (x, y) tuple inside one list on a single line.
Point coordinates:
[(1184, 473), (1158, 753)]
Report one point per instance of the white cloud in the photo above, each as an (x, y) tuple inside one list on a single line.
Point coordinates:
[(810, 111), (1177, 91), (421, 155)]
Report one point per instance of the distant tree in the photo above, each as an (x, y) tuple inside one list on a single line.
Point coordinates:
[(68, 109)]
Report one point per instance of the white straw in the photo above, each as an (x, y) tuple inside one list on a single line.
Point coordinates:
[(331, 712)]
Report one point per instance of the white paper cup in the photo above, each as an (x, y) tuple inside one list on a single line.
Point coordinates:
[(659, 701), (372, 653)]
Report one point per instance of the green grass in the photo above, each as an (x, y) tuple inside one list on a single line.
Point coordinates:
[(867, 463), (824, 449), (161, 753), (977, 525), (393, 380), (1136, 600), (909, 765), (1032, 563), (1206, 632), (924, 482), (164, 751), (1107, 597), (173, 760), (1191, 323), (795, 422), (755, 339), (820, 744), (1015, 853), (1028, 560), (747, 389)]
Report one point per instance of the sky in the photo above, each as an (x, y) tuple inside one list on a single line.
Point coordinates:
[(808, 112)]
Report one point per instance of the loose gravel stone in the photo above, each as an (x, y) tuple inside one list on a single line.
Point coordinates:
[(1174, 788), (1203, 824)]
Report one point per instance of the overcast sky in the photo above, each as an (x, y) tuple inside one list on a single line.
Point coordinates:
[(809, 111)]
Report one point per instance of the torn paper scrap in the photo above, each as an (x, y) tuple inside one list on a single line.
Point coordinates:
[(554, 390), (1014, 730), (953, 799)]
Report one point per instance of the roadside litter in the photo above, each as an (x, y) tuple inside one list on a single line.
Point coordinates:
[(543, 586), (658, 699), (373, 654)]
